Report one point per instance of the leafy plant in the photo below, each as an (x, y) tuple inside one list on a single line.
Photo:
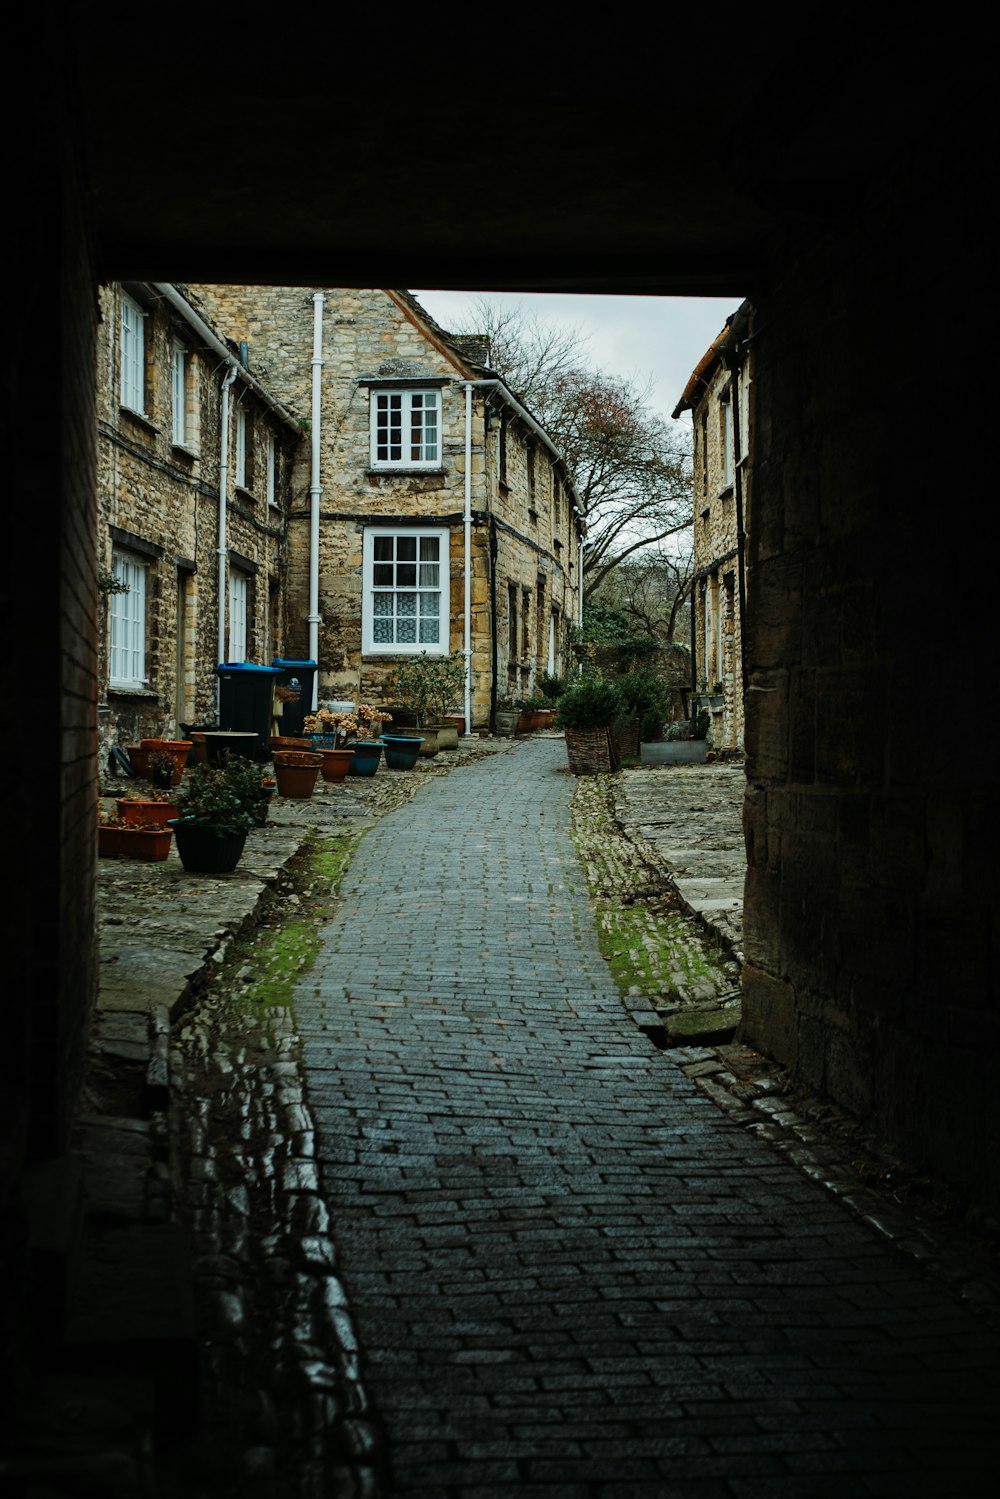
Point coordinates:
[(591, 703), (700, 722), (429, 684), (229, 798), (108, 582), (552, 686), (647, 699)]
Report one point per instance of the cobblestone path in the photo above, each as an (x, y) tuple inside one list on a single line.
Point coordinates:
[(569, 1273)]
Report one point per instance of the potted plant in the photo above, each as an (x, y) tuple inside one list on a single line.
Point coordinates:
[(587, 712), (218, 805), (647, 703), (155, 810), (428, 684), (506, 715), (684, 742), (119, 839)]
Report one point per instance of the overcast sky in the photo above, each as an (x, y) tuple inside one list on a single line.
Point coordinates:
[(661, 338)]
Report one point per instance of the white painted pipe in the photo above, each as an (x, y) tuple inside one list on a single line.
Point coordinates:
[(315, 489), (223, 576), (467, 561)]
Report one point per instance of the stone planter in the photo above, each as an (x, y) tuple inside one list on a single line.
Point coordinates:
[(674, 752), (447, 734)]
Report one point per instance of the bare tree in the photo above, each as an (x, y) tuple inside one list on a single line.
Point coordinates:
[(630, 468), (652, 590)]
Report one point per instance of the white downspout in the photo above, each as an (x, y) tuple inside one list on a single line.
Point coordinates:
[(223, 577), (315, 489), (467, 561), (580, 582)]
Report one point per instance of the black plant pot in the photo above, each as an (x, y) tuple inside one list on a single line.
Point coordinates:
[(204, 850)]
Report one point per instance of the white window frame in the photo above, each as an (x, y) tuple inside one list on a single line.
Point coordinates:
[(127, 647), (133, 356), (239, 608), (390, 588), (241, 449), (178, 395), (398, 416), (272, 460)]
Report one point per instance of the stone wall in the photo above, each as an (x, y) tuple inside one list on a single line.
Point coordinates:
[(870, 914), (718, 632), (159, 501)]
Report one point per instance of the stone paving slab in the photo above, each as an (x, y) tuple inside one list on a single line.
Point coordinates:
[(569, 1271), (689, 817)]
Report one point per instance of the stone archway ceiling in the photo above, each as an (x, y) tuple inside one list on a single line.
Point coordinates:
[(537, 162)]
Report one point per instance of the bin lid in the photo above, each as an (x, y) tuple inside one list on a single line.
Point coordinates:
[(245, 666), (280, 661)]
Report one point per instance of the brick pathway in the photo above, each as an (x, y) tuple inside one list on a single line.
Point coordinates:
[(570, 1274)]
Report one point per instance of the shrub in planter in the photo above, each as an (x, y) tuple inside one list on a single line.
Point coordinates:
[(647, 699), (230, 798), (586, 712), (591, 703)]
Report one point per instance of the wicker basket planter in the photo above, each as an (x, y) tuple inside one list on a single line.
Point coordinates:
[(591, 752)]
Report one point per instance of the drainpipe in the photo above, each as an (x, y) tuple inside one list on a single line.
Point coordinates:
[(494, 643), (467, 561), (732, 360), (580, 584), (223, 578), (315, 490)]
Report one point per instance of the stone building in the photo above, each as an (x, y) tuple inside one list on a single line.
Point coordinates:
[(181, 422), (718, 395), (429, 510)]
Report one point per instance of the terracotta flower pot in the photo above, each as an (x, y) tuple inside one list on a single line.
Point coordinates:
[(151, 845), (136, 812), (295, 772), (336, 764)]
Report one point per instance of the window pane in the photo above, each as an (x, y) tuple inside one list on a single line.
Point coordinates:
[(382, 574), (407, 632), (382, 632), (406, 604), (406, 575), (430, 549), (382, 548), (382, 603), (430, 575), (406, 548), (429, 632), (430, 604)]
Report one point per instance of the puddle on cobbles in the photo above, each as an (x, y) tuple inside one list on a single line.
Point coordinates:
[(285, 1413)]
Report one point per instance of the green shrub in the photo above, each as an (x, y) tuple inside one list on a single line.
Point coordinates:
[(647, 699), (591, 703)]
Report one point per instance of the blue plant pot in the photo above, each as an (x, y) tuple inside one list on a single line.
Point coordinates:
[(367, 754), (401, 750)]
